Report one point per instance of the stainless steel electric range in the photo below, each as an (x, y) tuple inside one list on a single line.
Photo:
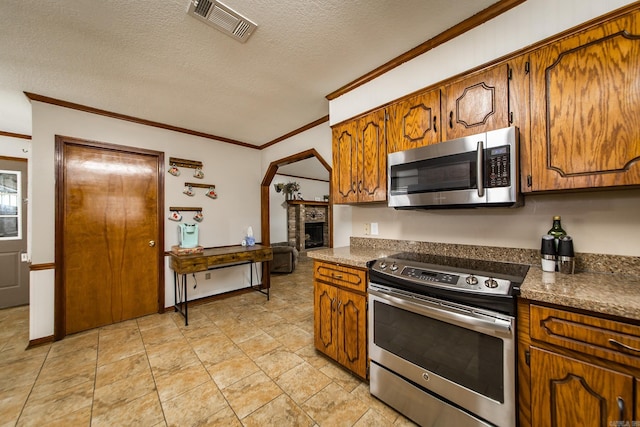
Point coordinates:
[(442, 338)]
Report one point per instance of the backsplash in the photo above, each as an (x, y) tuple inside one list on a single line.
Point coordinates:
[(585, 262)]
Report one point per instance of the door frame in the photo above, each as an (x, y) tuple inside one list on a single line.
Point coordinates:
[(271, 172), (59, 330)]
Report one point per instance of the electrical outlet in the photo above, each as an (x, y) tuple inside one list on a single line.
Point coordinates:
[(374, 228), (367, 228), (207, 276)]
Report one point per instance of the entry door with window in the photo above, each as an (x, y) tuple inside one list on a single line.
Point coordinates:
[(14, 276), (109, 255)]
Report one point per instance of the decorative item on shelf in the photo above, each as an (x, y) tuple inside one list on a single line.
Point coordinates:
[(249, 239), (211, 189), (326, 197), (173, 170), (198, 173), (288, 189), (188, 190), (185, 163), (212, 192), (175, 212), (198, 217)]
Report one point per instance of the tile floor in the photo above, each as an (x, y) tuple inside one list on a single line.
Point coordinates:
[(242, 361)]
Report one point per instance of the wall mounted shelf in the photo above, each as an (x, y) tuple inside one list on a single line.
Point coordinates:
[(198, 185), (185, 163), (185, 208)]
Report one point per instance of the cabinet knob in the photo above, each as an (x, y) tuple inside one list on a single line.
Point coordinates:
[(152, 243)]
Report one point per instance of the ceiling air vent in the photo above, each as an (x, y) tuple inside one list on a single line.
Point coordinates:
[(223, 18)]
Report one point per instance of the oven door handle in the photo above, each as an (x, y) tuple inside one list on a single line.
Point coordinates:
[(449, 313)]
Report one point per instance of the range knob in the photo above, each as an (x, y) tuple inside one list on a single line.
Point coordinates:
[(383, 265), (490, 283), (471, 280), (393, 267)]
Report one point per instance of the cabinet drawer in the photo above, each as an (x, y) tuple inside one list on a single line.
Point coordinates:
[(347, 277), (607, 339)]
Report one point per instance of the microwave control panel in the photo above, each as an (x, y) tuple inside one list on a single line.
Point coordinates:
[(498, 166)]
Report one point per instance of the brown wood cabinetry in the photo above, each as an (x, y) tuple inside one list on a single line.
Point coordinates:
[(576, 369), (477, 103), (566, 392), (414, 122), (360, 159), (585, 103), (340, 329)]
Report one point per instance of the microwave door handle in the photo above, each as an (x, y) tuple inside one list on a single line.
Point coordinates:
[(480, 169)]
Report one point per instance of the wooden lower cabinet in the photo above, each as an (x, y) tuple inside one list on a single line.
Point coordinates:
[(569, 392), (576, 369), (340, 329)]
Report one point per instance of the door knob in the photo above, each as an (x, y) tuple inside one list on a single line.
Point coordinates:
[(152, 243)]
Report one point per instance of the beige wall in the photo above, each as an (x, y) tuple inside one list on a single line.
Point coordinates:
[(234, 170)]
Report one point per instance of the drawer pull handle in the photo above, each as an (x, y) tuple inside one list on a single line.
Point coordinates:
[(336, 276), (624, 346)]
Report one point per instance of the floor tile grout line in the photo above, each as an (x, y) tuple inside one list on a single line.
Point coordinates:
[(24, 405)]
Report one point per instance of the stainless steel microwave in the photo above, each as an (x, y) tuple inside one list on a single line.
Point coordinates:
[(473, 171)]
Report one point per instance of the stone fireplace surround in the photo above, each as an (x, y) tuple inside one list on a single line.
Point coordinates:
[(300, 212)]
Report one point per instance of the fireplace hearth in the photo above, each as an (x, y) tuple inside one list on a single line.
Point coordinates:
[(307, 224)]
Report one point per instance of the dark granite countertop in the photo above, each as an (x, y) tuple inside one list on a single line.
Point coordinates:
[(613, 288)]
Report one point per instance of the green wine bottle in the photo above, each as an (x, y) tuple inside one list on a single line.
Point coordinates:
[(556, 230)]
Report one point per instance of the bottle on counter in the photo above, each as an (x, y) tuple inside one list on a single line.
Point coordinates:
[(556, 230)]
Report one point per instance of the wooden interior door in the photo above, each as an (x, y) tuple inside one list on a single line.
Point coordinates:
[(109, 250)]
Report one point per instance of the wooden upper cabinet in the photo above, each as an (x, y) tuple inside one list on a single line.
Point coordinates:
[(372, 158), (585, 108), (360, 159), (414, 122), (476, 103), (345, 171)]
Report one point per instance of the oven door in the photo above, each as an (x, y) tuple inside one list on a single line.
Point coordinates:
[(461, 354)]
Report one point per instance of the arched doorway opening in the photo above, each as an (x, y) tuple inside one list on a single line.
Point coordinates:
[(265, 223)]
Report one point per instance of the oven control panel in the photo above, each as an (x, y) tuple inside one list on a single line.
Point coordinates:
[(429, 276), (398, 270)]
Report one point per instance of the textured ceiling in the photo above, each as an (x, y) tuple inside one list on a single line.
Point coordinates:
[(153, 61)]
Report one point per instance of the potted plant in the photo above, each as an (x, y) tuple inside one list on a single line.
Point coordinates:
[(288, 189)]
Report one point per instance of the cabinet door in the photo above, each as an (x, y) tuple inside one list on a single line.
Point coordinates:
[(352, 332), (414, 122), (637, 408), (345, 172), (372, 158), (568, 392), (477, 103), (585, 93), (325, 319)]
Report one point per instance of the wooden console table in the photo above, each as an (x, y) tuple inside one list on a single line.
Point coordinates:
[(213, 259)]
